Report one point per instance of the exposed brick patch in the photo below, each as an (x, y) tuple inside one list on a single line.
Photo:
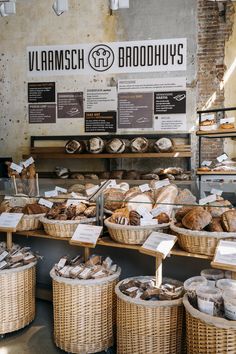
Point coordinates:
[(213, 32)]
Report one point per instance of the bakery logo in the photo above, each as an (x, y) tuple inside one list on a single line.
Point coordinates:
[(101, 57)]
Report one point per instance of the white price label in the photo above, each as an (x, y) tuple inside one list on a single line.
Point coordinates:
[(160, 209), (73, 202), (28, 162), (226, 253), (10, 220), (45, 202), (207, 116), (87, 233), (144, 213), (216, 191), (80, 197), (3, 255), (159, 242), (92, 190), (7, 197), (53, 193), (163, 183), (210, 199), (112, 184), (147, 222), (205, 306), (227, 120), (206, 163), (222, 158), (16, 167), (60, 189), (144, 187)]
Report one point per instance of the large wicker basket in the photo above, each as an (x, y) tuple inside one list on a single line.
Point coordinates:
[(201, 242), (207, 334), (17, 298), (30, 222), (63, 228), (129, 234), (84, 313), (148, 327)]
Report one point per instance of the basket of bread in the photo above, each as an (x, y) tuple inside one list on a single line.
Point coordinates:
[(199, 228), (139, 211)]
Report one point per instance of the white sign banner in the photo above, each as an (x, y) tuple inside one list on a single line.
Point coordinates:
[(115, 57), (101, 99)]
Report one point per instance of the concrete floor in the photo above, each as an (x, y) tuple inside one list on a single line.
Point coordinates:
[(35, 338)]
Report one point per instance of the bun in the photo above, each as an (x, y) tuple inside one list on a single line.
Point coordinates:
[(216, 209), (197, 219), (204, 169), (227, 126), (139, 144)]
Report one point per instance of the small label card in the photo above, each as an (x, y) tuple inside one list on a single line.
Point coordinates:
[(73, 202), (163, 183), (159, 243), (16, 167), (45, 202), (144, 213), (160, 209), (222, 158), (207, 116), (53, 193), (87, 234), (112, 183), (206, 163), (211, 198), (227, 120), (10, 220), (144, 187), (92, 190), (60, 189), (28, 162), (216, 191), (146, 222), (225, 255)]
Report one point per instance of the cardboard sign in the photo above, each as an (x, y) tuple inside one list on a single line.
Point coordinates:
[(222, 158), (28, 162), (60, 189), (53, 193), (225, 255), (45, 202), (16, 167), (206, 163), (144, 213), (158, 244), (10, 220), (227, 120), (87, 234), (210, 199)]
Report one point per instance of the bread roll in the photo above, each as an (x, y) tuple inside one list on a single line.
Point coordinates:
[(163, 145), (113, 199), (185, 196), (76, 175), (117, 174), (150, 176), (172, 170), (104, 175), (182, 212), (76, 188), (115, 146), (162, 218), (74, 146), (131, 175), (95, 145), (139, 144), (197, 219), (215, 225), (91, 176), (217, 208), (228, 220)]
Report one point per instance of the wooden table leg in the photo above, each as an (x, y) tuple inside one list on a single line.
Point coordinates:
[(9, 240), (234, 275), (158, 271), (86, 253)]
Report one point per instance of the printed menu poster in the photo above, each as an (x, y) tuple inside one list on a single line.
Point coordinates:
[(42, 113), (70, 105), (41, 92), (163, 109), (101, 99), (100, 122)]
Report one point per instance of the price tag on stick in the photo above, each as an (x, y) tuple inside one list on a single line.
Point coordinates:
[(225, 255), (9, 221), (86, 235), (158, 244)]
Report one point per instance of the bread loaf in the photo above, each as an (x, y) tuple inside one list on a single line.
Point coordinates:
[(139, 144), (74, 146), (115, 146), (131, 175), (163, 145), (139, 199), (185, 196), (95, 145), (167, 196), (113, 199), (197, 219), (215, 225), (217, 208), (228, 220), (117, 174)]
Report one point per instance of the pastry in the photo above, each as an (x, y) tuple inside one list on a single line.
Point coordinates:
[(139, 144), (91, 176), (134, 218), (104, 175), (95, 145), (90, 212), (162, 218), (115, 146), (77, 188), (152, 176), (215, 225), (113, 199), (204, 169), (197, 219), (35, 209), (217, 208), (163, 145), (182, 212), (227, 126), (74, 146), (228, 220), (75, 175), (185, 197), (208, 124), (117, 174)]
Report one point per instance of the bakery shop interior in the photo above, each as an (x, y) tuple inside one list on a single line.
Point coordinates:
[(118, 176)]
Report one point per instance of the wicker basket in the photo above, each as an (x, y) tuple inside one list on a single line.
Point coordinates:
[(207, 334), (17, 294), (148, 327), (30, 222), (128, 234), (63, 228), (84, 313), (201, 242)]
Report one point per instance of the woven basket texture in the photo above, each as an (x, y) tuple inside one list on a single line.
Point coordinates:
[(207, 334), (84, 313), (30, 222), (17, 298)]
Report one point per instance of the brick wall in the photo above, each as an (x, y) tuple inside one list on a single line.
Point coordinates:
[(213, 32)]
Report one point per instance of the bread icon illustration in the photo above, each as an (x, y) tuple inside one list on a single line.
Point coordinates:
[(101, 58)]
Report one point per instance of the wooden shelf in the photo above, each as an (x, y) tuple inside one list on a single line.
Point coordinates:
[(217, 133), (108, 242), (212, 173)]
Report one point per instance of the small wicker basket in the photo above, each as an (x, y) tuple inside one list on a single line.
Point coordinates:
[(207, 334), (148, 327), (63, 228), (17, 294), (30, 222), (200, 242), (84, 313), (129, 234)]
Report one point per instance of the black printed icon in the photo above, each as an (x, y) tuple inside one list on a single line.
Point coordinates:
[(101, 57)]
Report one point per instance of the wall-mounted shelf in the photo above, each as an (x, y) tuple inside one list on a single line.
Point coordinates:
[(212, 173), (218, 133)]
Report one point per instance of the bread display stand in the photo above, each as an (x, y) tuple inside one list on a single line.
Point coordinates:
[(148, 326), (84, 313), (207, 334)]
